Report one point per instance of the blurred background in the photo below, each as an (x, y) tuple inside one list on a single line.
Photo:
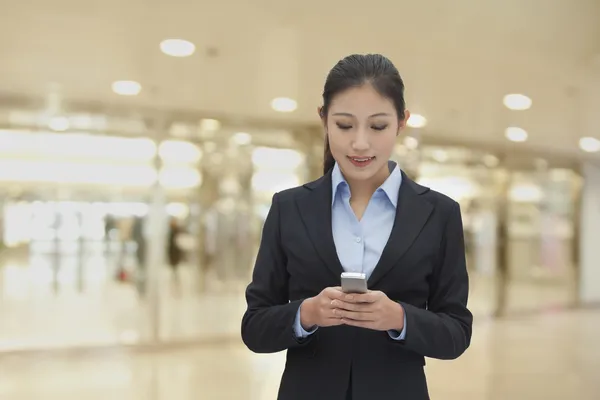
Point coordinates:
[(141, 142)]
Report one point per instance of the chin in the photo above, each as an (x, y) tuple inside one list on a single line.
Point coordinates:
[(352, 172)]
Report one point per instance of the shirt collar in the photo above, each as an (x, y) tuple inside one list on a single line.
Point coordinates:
[(390, 187)]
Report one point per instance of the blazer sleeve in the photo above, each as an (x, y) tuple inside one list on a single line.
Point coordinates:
[(268, 323), (443, 330)]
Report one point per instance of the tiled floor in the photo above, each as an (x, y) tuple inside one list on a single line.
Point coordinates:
[(552, 356), (42, 308)]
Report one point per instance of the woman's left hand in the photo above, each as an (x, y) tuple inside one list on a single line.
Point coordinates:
[(371, 310)]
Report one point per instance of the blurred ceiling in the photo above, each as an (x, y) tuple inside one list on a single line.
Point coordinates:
[(458, 58)]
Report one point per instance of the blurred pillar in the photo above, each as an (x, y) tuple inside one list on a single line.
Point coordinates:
[(502, 273), (2, 203), (589, 231), (156, 250), (207, 197), (278, 65), (588, 119), (589, 213), (227, 204), (310, 143)]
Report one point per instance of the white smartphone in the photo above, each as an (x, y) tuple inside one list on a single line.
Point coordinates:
[(354, 282)]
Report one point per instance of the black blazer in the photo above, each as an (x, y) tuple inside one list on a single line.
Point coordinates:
[(422, 267)]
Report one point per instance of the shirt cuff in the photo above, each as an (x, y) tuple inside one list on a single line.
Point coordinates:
[(299, 330), (394, 334)]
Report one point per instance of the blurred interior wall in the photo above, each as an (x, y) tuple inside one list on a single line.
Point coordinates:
[(590, 236)]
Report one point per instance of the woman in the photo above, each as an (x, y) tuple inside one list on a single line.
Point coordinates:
[(364, 215)]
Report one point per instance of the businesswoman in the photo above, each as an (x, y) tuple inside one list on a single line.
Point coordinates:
[(363, 215)]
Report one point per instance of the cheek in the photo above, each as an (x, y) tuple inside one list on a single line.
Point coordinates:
[(385, 143), (337, 141)]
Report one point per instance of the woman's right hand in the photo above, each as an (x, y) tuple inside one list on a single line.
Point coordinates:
[(318, 310)]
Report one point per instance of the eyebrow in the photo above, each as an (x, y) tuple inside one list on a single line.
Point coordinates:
[(371, 116)]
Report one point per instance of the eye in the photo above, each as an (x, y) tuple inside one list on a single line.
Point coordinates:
[(343, 127), (379, 127)]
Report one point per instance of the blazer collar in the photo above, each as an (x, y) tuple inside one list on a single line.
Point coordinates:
[(412, 213), (390, 187)]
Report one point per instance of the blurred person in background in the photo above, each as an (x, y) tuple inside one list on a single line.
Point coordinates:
[(174, 250), (363, 215), (109, 225), (137, 234)]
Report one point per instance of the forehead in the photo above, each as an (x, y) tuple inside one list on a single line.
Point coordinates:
[(361, 101)]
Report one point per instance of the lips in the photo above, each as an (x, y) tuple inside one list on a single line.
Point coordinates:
[(360, 161)]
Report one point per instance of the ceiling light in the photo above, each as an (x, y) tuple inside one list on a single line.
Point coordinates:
[(126, 88), (177, 47), (180, 130), (416, 121), (59, 124), (517, 102), (284, 104), (241, 138), (515, 134), (210, 125), (589, 144)]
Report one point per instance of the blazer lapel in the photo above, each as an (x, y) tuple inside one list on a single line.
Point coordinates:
[(412, 213), (315, 210)]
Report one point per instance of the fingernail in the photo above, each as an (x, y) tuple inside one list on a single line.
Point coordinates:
[(349, 297)]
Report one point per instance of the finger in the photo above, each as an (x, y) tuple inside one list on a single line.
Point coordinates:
[(343, 305), (355, 316), (334, 294), (359, 324), (369, 297)]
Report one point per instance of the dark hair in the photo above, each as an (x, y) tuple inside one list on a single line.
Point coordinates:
[(357, 70)]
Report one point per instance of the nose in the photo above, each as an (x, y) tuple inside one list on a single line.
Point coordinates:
[(361, 141)]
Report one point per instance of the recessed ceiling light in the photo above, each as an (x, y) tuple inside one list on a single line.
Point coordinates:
[(517, 102), (241, 139), (210, 125), (515, 134), (177, 47), (416, 121), (126, 88), (589, 144), (284, 104), (180, 130)]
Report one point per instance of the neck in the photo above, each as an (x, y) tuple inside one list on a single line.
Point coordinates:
[(363, 190)]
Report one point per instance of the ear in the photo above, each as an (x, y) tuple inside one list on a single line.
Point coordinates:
[(322, 115), (402, 122)]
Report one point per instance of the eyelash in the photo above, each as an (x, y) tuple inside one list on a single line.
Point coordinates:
[(347, 127)]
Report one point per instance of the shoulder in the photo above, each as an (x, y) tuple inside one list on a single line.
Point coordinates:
[(442, 204), (294, 193), (291, 194)]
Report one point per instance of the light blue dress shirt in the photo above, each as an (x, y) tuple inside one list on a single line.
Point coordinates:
[(359, 244)]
